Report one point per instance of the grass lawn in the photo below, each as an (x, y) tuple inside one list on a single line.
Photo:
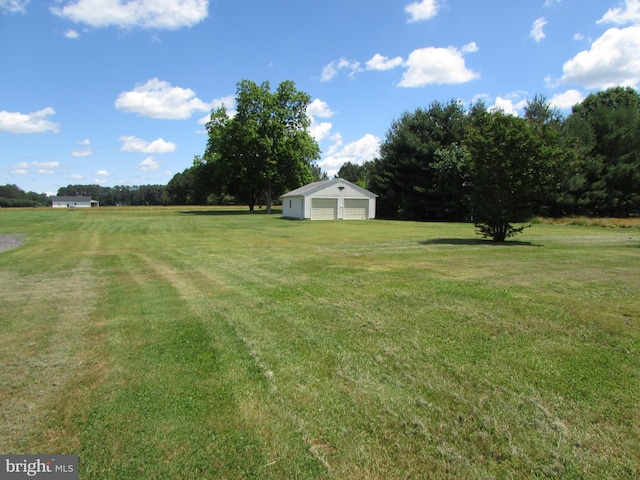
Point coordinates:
[(188, 343)]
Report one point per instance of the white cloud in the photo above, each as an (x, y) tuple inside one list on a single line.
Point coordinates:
[(14, 6), (319, 108), (35, 122), (72, 34), (358, 152), (613, 59), (425, 66), (332, 69), (103, 173), (42, 168), (159, 14), (379, 62), (509, 104), (45, 171), (428, 66), (471, 47), (76, 176), (320, 130), (566, 100), (537, 32), (84, 152), (100, 181), (484, 97), (229, 103), (18, 171), (158, 99), (422, 10), (135, 144), (623, 16), (148, 165), (578, 36)]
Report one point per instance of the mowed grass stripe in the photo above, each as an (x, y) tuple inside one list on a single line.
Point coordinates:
[(186, 398), (346, 350)]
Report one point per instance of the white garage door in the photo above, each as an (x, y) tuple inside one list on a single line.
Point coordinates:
[(356, 209), (324, 208)]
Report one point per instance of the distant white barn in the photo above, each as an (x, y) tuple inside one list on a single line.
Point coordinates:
[(335, 199), (77, 201)]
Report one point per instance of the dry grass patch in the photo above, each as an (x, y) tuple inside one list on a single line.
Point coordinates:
[(45, 319)]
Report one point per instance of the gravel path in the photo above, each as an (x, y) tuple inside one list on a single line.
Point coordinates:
[(9, 241)]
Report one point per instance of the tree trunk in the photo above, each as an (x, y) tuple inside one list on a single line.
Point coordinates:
[(269, 198)]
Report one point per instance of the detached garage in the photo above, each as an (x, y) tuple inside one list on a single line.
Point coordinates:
[(336, 199)]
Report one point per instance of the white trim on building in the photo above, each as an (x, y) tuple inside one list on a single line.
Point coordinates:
[(335, 199), (77, 201)]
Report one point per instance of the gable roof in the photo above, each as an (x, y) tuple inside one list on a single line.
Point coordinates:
[(314, 187)]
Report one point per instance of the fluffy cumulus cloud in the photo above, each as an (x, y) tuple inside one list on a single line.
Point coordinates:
[(566, 100), (72, 34), (422, 10), (35, 122), (428, 66), (159, 99), (629, 13), (229, 103), (613, 59), (358, 152), (510, 104), (42, 168), (424, 66), (103, 173), (537, 30), (319, 109), (159, 14), (379, 62), (471, 47), (135, 144), (149, 165)]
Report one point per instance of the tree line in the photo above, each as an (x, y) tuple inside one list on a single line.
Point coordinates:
[(446, 162), (14, 196), (120, 195)]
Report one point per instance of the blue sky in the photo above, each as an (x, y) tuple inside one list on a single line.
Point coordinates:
[(116, 92)]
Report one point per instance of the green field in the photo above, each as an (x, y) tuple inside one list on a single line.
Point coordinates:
[(195, 343)]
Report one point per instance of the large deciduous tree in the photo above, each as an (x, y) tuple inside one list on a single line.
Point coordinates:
[(265, 149)]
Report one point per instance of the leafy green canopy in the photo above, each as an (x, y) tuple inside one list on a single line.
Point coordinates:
[(511, 167), (14, 196), (265, 149), (446, 163), (605, 130), (406, 175)]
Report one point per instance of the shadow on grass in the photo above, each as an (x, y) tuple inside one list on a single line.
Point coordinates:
[(230, 211), (478, 241)]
